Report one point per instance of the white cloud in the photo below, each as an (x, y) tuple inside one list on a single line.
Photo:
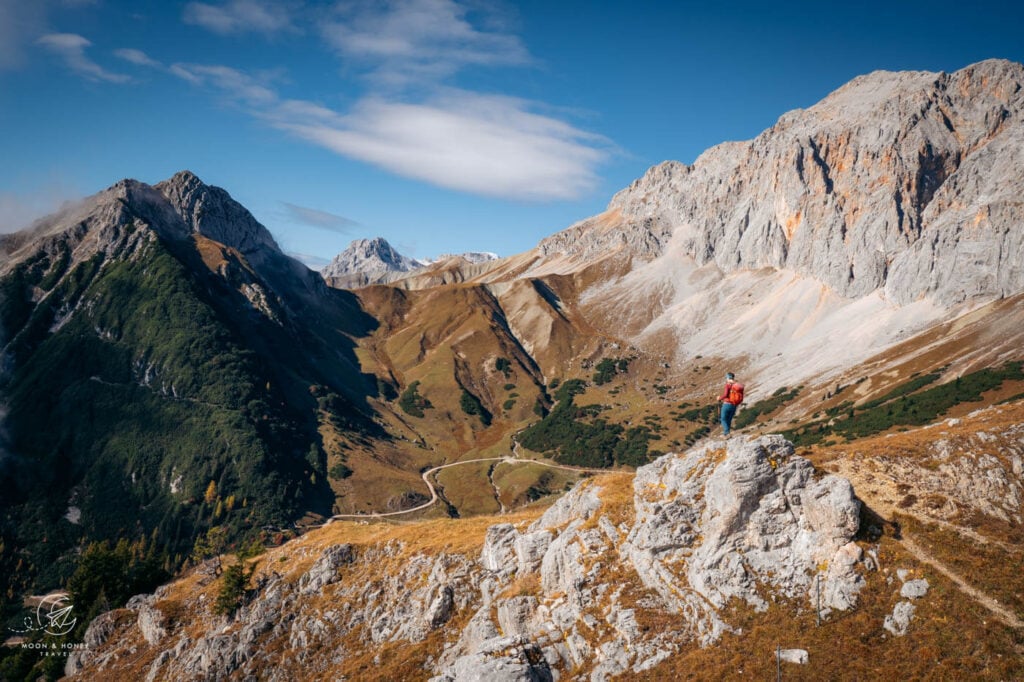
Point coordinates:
[(137, 57), (241, 16), (71, 48), (413, 126), (412, 40), (232, 82), (317, 218), (488, 145), (19, 210)]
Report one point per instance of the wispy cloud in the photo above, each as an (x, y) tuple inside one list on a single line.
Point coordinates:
[(488, 145), (137, 57), (234, 83), (241, 16), (409, 41), (483, 144), (71, 48), (19, 210), (317, 218), (412, 122), (309, 260)]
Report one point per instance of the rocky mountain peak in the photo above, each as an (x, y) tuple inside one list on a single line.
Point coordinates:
[(371, 258), (211, 211), (868, 190)]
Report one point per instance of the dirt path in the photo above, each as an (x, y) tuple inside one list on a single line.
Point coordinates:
[(433, 491), (879, 490), (1007, 616), (966, 532)]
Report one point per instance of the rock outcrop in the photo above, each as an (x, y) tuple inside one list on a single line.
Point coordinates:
[(743, 520)]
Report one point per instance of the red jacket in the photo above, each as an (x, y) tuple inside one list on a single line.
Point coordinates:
[(725, 392)]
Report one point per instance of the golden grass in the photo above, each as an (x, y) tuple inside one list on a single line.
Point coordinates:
[(989, 568), (468, 489), (950, 638)]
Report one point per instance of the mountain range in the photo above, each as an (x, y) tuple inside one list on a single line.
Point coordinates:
[(375, 261), (167, 370)]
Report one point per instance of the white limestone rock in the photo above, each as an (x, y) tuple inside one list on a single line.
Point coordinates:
[(898, 621), (914, 589)]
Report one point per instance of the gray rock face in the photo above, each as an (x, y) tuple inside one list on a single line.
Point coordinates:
[(901, 182), (367, 261), (211, 212), (151, 620), (502, 659), (499, 553), (719, 523), (729, 516), (325, 570), (96, 636), (966, 469), (798, 656)]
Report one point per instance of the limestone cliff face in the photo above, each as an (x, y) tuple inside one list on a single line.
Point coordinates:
[(903, 182)]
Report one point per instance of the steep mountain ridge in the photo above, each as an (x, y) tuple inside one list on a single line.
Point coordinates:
[(840, 191), (143, 364), (894, 201)]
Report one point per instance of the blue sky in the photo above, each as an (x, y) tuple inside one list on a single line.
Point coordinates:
[(442, 125)]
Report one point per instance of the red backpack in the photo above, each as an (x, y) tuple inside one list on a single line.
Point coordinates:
[(735, 393)]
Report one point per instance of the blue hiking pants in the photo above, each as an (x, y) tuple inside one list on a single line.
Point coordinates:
[(728, 412)]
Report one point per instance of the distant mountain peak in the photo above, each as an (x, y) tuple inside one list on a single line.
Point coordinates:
[(370, 257), (375, 261)]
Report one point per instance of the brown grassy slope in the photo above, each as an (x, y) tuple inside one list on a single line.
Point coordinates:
[(449, 337)]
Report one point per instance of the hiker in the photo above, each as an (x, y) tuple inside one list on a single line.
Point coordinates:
[(731, 398)]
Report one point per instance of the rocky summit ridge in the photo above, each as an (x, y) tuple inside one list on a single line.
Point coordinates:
[(745, 520), (902, 182)]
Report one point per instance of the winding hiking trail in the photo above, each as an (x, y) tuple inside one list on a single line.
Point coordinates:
[(1004, 614), (434, 497)]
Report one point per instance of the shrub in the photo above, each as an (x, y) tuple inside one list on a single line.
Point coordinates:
[(234, 584), (750, 414), (605, 371), (411, 402), (904, 407), (340, 471), (471, 405)]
